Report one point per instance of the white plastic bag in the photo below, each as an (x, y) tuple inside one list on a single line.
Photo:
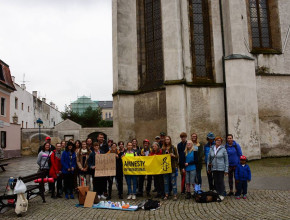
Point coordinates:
[(21, 204), (20, 187)]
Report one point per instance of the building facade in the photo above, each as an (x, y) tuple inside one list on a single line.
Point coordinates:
[(9, 132), (203, 65), (26, 108), (83, 102)]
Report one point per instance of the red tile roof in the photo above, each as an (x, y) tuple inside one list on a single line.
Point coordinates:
[(7, 82)]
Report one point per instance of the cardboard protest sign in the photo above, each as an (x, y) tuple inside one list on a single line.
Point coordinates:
[(82, 194), (105, 165), (90, 198)]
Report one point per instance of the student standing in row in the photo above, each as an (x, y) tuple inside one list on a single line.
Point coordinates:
[(181, 148), (82, 162)]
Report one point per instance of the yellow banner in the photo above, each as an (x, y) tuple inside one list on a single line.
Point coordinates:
[(147, 165)]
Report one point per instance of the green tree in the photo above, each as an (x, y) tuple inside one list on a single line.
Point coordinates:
[(90, 118)]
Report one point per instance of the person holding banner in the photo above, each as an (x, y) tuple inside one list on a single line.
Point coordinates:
[(145, 151), (131, 179), (99, 183), (168, 148), (158, 179), (113, 150), (191, 161)]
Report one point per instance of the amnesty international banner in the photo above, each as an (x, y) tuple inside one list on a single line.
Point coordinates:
[(150, 165), (105, 165)]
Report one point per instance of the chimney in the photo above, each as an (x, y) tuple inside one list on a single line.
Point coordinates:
[(43, 99), (23, 86), (34, 93)]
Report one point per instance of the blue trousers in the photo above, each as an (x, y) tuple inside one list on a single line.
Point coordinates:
[(242, 187), (171, 177), (131, 179)]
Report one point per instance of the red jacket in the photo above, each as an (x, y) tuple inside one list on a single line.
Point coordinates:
[(152, 153), (55, 165)]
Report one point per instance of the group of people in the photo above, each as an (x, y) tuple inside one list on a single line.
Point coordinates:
[(71, 163)]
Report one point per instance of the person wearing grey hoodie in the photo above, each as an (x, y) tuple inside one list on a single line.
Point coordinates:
[(43, 158), (218, 164)]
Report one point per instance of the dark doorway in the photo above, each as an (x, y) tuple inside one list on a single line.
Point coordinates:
[(94, 136)]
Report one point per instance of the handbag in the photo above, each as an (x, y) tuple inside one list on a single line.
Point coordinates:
[(20, 187), (21, 204)]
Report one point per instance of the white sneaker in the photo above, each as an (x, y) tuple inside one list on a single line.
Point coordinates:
[(99, 196), (222, 198), (134, 197), (129, 197), (103, 197)]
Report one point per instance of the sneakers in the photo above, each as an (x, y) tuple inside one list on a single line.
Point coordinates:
[(245, 197), (129, 197), (66, 196), (72, 196), (222, 198), (238, 197), (103, 197), (133, 197)]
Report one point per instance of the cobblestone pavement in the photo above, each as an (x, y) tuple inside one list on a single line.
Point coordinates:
[(270, 202)]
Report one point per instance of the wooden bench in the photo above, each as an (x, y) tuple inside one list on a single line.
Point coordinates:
[(30, 189), (2, 165)]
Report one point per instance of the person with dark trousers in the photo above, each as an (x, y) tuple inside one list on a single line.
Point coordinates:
[(158, 179), (99, 183), (47, 140), (104, 148), (243, 176), (218, 163), (181, 148), (55, 172), (119, 169), (113, 150), (144, 151), (234, 153), (199, 147), (210, 142), (68, 162)]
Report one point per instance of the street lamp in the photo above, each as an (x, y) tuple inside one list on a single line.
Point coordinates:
[(39, 122)]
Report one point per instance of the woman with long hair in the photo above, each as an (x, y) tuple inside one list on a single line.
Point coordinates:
[(68, 162), (200, 152), (168, 148), (82, 162)]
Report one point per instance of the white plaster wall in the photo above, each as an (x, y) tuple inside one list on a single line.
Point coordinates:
[(242, 105), (23, 115), (274, 104)]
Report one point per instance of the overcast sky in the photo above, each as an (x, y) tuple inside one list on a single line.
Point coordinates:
[(64, 47)]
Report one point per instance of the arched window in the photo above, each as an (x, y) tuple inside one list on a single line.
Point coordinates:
[(150, 49), (200, 39)]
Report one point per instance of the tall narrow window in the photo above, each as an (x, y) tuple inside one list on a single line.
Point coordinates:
[(150, 48), (16, 103), (200, 39), (1, 73), (259, 14), (3, 106)]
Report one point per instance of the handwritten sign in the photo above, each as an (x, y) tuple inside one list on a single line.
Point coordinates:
[(105, 165)]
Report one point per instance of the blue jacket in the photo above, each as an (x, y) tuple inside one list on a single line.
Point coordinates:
[(67, 162), (233, 154), (243, 173), (181, 148), (207, 149), (192, 160)]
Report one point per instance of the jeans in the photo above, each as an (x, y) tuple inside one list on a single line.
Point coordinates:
[(119, 179), (58, 182), (170, 178), (190, 177), (158, 180), (141, 184), (129, 180), (242, 187)]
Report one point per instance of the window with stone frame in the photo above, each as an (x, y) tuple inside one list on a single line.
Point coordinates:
[(150, 48), (264, 26), (200, 38)]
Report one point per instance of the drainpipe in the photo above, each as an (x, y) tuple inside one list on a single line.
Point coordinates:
[(224, 71)]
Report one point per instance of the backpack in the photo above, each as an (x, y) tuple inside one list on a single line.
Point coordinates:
[(151, 204), (206, 197)]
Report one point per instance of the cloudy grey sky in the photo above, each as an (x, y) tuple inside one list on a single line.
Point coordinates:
[(64, 47)]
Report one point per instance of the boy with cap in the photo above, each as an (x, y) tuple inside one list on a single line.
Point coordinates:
[(243, 176)]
